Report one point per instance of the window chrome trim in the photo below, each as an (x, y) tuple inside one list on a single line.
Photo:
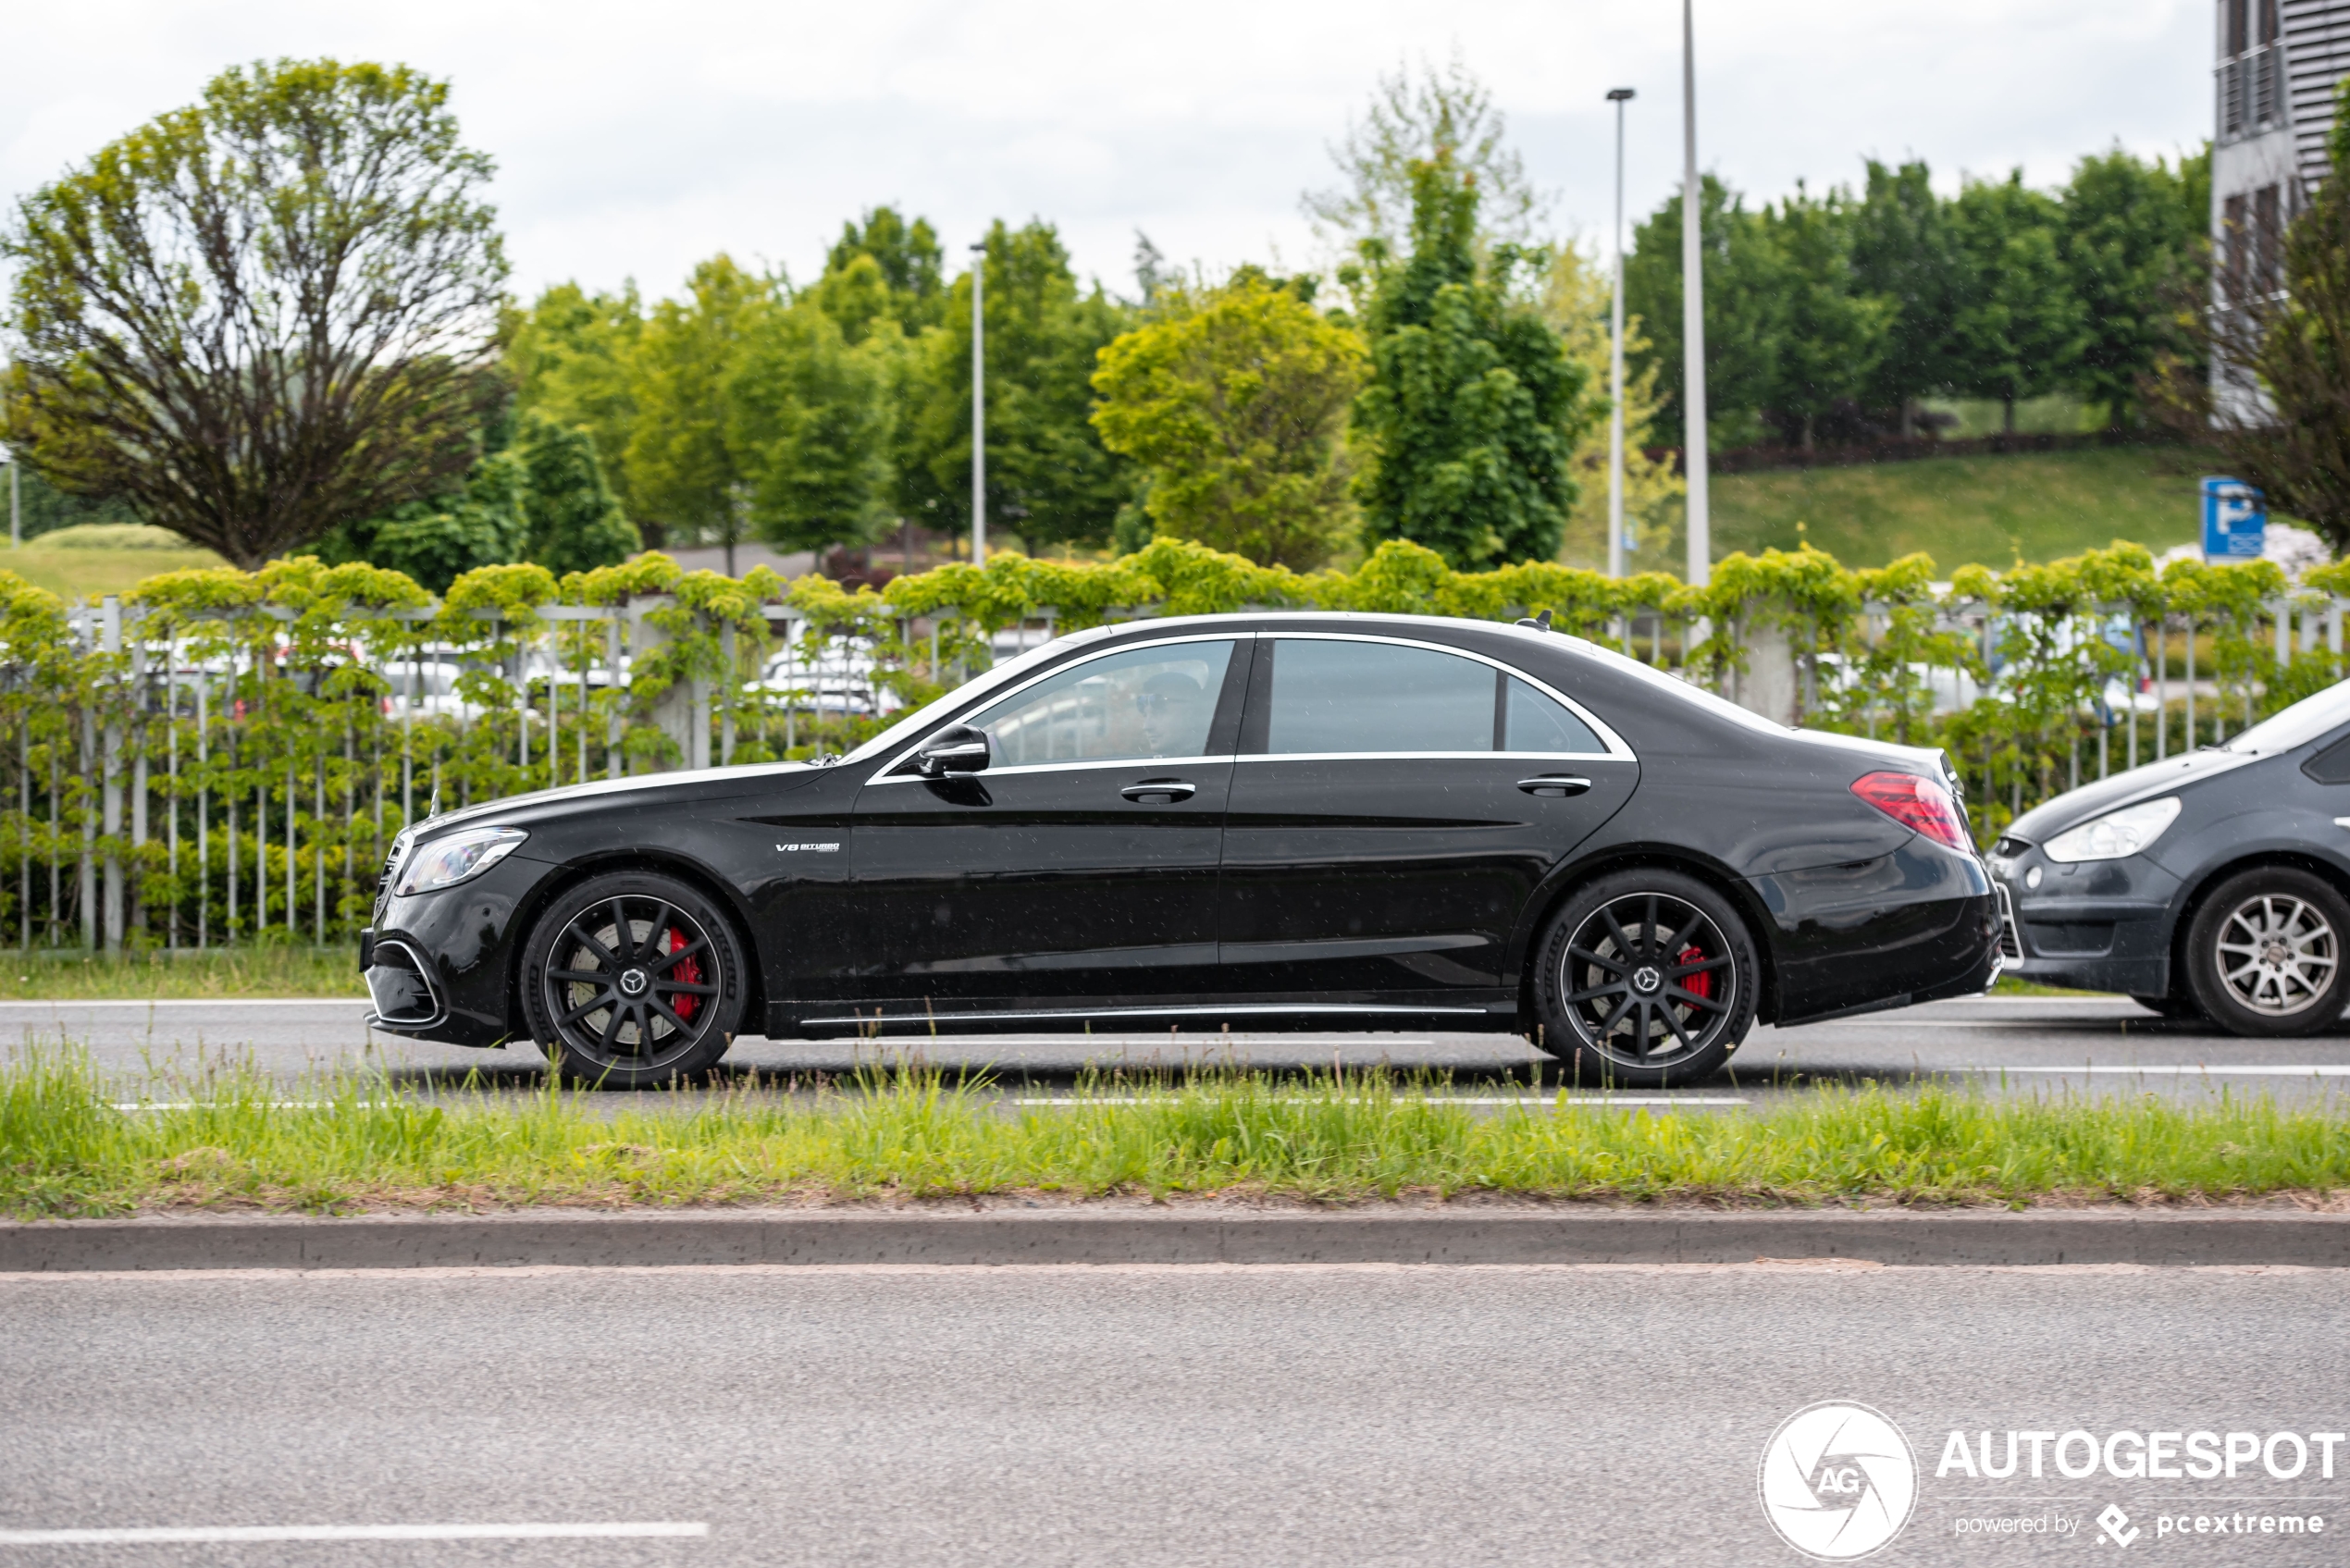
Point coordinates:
[(1616, 748), (889, 772), (1073, 764), (1578, 757)]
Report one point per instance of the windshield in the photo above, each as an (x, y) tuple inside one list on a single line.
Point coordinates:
[(2302, 722), (930, 712)]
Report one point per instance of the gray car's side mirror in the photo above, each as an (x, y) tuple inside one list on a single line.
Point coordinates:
[(958, 748)]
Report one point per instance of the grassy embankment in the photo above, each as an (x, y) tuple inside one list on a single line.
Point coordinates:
[(355, 1144), (1986, 511)]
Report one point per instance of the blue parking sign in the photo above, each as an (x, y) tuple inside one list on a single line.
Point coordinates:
[(2235, 520)]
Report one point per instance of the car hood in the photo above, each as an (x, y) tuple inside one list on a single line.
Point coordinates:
[(685, 778), (2075, 807)]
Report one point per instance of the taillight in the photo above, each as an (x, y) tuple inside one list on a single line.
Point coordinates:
[(1925, 805)]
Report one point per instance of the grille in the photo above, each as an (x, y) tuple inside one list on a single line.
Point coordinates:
[(2010, 945)]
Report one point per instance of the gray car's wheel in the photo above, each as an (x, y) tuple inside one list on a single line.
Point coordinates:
[(2266, 954), (1648, 980), (632, 980)]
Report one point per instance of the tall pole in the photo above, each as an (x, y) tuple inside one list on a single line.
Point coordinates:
[(978, 408), (16, 499), (1615, 541), (1700, 569)]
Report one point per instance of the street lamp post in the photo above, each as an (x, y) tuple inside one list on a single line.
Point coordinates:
[(979, 407), (1616, 543), (1693, 435)]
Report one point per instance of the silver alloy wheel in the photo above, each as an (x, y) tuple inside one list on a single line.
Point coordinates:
[(2277, 953), (1648, 980)]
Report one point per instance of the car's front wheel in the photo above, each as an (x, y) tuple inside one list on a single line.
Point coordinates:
[(1648, 980), (2265, 953), (632, 980)]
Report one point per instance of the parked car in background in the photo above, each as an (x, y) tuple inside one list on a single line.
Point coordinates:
[(2213, 884), (1266, 821)]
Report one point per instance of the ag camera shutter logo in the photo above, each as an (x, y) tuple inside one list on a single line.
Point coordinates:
[(1837, 1480)]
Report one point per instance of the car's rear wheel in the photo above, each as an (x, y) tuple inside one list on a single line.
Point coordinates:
[(2265, 956), (632, 980), (1647, 980)]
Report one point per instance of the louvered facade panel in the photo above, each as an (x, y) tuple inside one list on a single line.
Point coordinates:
[(2316, 48)]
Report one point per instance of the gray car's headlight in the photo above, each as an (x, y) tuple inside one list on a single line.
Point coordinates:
[(445, 862), (2116, 834)]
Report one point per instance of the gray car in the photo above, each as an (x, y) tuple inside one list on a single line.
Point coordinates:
[(2213, 884)]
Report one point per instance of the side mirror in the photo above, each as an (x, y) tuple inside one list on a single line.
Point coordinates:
[(958, 748)]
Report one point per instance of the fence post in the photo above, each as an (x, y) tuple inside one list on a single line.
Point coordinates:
[(110, 771)]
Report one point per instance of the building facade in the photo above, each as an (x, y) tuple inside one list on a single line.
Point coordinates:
[(2278, 63)]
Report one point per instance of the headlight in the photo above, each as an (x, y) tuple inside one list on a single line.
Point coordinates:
[(445, 862), (2116, 834)]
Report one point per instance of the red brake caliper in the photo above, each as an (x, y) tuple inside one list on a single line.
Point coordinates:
[(1699, 984), (686, 971)]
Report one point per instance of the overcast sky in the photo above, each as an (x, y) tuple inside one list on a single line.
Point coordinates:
[(633, 140)]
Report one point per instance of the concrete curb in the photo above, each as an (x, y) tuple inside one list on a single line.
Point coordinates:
[(1175, 1236)]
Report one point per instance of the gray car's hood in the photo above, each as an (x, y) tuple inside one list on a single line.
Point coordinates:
[(2075, 807)]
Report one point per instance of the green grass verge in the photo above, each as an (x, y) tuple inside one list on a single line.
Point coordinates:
[(67, 976), (65, 1150), (1987, 511), (75, 573)]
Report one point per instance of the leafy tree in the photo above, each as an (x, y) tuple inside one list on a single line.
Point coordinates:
[(1575, 303), (808, 416), (683, 471), (571, 357), (2133, 236), (573, 521), (1049, 478), (2276, 401), (1473, 410), (2020, 331), (1832, 333), (1414, 117), (1236, 408), (1904, 252), (906, 256), (263, 313), (1745, 308)]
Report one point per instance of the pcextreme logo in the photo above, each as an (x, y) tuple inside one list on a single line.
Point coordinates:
[(1837, 1480)]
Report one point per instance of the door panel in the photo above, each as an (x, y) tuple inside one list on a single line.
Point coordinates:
[(1376, 863), (1059, 872)]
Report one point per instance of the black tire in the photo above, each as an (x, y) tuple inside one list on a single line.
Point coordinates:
[(1610, 1025), (2265, 953), (662, 1009), (2181, 1007)]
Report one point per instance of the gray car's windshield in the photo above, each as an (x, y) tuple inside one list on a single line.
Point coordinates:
[(2304, 721)]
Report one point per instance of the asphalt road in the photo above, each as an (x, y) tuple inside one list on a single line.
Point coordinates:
[(1349, 1416), (2022, 1045)]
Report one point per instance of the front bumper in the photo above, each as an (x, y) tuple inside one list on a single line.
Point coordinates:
[(2097, 925), (441, 966)]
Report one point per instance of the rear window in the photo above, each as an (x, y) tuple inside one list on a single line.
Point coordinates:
[(1353, 699)]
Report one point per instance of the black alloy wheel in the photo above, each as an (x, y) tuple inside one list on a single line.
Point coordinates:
[(1648, 980), (632, 980), (2265, 953)]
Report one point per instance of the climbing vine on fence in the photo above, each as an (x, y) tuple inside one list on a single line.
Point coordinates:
[(223, 756)]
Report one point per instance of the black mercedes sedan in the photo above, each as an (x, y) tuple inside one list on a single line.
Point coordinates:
[(2215, 883), (1260, 821)]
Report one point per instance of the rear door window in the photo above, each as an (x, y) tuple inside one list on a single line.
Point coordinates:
[(1365, 698)]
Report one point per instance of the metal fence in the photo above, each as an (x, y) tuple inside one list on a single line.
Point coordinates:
[(189, 774)]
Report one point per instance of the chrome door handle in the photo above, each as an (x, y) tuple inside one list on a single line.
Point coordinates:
[(1159, 791), (1555, 785)]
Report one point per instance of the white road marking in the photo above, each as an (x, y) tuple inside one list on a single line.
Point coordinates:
[(1529, 1101), (2192, 1069), (196, 1002), (222, 1533)]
